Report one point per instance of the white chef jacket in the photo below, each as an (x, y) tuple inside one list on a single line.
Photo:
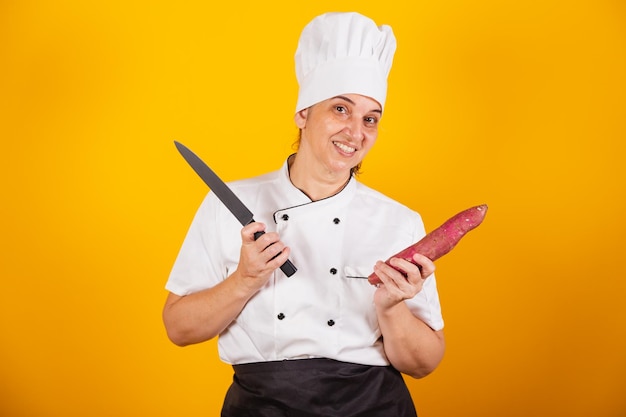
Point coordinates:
[(326, 308)]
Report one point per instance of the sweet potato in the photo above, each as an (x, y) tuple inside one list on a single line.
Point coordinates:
[(441, 240)]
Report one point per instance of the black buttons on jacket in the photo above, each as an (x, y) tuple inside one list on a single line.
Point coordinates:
[(333, 271), (336, 220), (285, 217), (280, 316), (331, 322)]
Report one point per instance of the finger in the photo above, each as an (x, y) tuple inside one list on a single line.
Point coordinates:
[(409, 271), (427, 266), (280, 258), (396, 286), (248, 231), (273, 249), (267, 239), (387, 273)]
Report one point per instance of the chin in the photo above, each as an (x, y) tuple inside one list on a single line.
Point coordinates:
[(339, 168)]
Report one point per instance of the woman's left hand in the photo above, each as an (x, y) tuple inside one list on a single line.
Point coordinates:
[(397, 287)]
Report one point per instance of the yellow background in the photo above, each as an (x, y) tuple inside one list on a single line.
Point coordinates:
[(520, 105)]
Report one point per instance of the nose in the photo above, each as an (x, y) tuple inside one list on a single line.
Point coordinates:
[(354, 129)]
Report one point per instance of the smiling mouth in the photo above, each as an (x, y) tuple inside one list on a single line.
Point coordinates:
[(344, 148)]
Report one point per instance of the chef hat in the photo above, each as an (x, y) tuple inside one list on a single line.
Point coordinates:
[(343, 53)]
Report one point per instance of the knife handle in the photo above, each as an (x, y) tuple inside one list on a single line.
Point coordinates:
[(288, 268)]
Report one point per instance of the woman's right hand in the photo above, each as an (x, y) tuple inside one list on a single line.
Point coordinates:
[(203, 315), (259, 258)]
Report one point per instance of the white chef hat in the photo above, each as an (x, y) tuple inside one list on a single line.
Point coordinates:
[(343, 53)]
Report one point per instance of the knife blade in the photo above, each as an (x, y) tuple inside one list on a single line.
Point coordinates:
[(226, 196)]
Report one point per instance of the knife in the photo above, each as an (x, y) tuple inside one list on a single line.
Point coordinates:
[(226, 195)]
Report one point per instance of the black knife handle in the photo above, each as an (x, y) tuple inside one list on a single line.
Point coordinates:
[(288, 268)]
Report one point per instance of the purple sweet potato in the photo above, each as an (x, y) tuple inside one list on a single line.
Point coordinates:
[(443, 239)]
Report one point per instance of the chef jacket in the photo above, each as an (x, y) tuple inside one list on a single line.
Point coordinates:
[(326, 308)]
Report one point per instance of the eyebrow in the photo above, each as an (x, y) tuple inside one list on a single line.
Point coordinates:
[(352, 102)]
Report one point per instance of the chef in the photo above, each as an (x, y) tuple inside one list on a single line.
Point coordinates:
[(322, 342)]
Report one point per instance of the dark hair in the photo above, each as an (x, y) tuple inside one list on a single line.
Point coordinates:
[(354, 171)]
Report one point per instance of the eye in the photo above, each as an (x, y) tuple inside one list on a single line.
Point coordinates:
[(371, 120), (340, 108)]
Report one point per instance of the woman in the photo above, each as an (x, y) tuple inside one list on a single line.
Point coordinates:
[(323, 342)]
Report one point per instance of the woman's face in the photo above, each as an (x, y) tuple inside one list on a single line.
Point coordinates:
[(338, 132)]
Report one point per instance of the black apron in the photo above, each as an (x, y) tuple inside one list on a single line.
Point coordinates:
[(317, 388)]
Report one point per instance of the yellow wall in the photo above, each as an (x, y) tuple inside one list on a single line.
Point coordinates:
[(520, 105)]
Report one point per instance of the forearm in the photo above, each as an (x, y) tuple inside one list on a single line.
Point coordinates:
[(201, 316), (411, 346)]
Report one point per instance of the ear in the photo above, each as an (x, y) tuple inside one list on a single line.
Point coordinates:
[(300, 118)]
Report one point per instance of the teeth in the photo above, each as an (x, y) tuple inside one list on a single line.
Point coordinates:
[(344, 148)]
